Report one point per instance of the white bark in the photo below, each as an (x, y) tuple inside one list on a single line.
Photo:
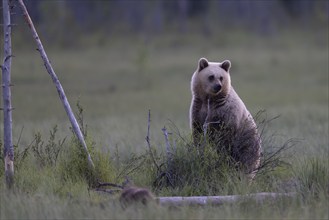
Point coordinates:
[(220, 200), (168, 147), (6, 95), (57, 83)]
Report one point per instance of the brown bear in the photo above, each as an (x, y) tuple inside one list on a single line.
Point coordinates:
[(218, 113)]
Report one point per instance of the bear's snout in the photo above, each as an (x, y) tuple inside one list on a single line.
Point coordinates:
[(217, 88)]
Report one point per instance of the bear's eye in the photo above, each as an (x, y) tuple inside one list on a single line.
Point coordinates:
[(221, 78), (211, 78)]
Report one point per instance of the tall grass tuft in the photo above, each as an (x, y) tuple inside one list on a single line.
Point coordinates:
[(187, 170), (312, 176), (191, 174), (74, 163), (47, 153), (55, 165)]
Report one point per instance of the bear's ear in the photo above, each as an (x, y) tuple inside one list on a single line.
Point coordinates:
[(226, 65), (203, 63)]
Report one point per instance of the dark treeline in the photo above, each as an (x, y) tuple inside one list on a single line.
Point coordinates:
[(55, 17)]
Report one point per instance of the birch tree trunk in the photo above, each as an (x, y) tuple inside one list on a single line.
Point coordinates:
[(57, 83), (6, 95)]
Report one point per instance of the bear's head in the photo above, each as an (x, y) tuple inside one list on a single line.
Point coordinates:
[(211, 78)]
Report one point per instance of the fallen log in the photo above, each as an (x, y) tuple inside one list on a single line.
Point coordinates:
[(220, 200)]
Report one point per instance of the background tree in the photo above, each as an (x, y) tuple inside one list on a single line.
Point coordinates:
[(6, 96)]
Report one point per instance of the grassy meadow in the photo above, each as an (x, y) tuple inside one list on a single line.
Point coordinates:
[(120, 79)]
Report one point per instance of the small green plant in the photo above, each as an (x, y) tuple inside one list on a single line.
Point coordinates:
[(47, 153), (20, 156), (193, 173), (74, 164), (190, 171), (80, 119), (61, 163)]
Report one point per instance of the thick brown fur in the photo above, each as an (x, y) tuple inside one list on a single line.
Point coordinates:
[(216, 106), (135, 195)]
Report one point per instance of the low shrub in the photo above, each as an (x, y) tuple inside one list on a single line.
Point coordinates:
[(189, 171)]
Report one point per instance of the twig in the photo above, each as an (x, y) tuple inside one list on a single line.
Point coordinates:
[(174, 146), (148, 141), (272, 157), (168, 147), (169, 155), (164, 174), (206, 121), (110, 191), (20, 136), (205, 126), (265, 122), (177, 132), (109, 184)]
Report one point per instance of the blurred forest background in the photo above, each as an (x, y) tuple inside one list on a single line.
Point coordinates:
[(66, 22)]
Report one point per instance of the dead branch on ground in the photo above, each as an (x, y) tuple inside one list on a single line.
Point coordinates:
[(221, 200)]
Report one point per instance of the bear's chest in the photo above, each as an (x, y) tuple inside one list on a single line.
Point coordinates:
[(217, 115)]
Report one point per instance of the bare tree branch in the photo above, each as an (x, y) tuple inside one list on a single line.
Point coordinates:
[(176, 131), (57, 83), (148, 141), (109, 184), (168, 147), (109, 191)]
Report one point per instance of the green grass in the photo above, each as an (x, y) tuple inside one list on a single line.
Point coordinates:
[(120, 81)]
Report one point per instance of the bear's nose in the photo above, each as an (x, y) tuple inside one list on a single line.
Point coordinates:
[(217, 88)]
